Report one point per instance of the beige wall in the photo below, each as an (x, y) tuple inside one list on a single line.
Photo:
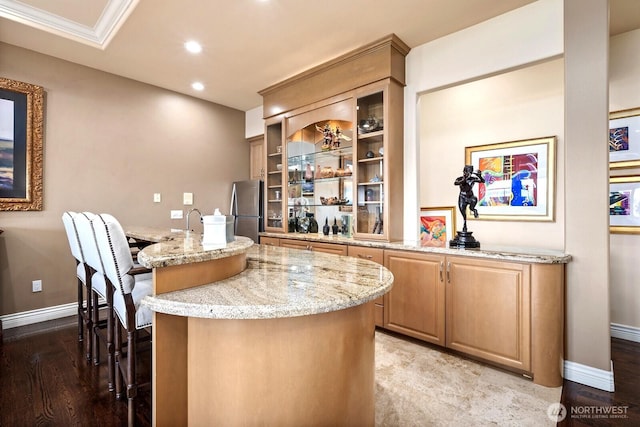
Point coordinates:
[(522, 104), (586, 172), (624, 93), (110, 143)]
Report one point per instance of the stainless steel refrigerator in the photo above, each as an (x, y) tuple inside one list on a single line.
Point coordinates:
[(246, 208)]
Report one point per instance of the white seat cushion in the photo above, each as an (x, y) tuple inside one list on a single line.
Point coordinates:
[(81, 273), (144, 316), (99, 285)]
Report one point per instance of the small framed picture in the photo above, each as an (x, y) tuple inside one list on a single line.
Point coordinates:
[(624, 204), (437, 226), (624, 139)]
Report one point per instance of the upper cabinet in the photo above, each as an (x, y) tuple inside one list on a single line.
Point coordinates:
[(378, 152), (334, 145), (273, 180)]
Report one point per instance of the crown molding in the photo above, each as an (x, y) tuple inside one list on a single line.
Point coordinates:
[(113, 16)]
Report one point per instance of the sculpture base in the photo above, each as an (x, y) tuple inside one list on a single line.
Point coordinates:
[(464, 240)]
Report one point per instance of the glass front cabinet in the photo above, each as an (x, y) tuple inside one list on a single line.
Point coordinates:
[(339, 165), (273, 182), (378, 154)]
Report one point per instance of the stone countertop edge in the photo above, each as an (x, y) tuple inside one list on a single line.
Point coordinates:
[(280, 283), (189, 249), (519, 254)]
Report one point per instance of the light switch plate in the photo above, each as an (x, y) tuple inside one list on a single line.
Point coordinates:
[(157, 197), (176, 214), (187, 198)]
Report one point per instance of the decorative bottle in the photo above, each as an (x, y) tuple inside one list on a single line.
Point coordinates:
[(325, 229), (313, 224), (308, 175), (334, 228)]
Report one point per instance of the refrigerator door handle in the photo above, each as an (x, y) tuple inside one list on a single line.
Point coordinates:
[(233, 208)]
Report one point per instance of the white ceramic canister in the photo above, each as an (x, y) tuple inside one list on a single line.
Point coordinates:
[(215, 229)]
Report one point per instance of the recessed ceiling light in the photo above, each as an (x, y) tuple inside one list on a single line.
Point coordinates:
[(193, 46), (197, 86)]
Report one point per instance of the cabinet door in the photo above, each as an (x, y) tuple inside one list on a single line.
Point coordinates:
[(488, 310), (273, 188), (256, 157), (415, 305), (375, 255)]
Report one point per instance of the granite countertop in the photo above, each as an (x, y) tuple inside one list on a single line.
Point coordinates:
[(154, 234), (187, 248), (519, 254), (280, 282)]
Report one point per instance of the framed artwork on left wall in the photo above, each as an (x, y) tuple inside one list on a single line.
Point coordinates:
[(21, 154)]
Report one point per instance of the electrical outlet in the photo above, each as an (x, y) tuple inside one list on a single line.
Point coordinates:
[(187, 198), (176, 214), (36, 286), (157, 197)]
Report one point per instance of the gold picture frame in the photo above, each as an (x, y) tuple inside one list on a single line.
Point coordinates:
[(437, 226), (624, 139), (21, 145), (624, 204), (519, 179)]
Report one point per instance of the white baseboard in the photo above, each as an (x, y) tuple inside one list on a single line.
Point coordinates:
[(593, 377), (625, 332), (40, 315)]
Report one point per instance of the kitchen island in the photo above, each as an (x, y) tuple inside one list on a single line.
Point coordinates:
[(286, 340)]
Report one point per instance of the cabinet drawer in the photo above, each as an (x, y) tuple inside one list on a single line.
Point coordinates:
[(269, 241), (372, 254), (330, 248)]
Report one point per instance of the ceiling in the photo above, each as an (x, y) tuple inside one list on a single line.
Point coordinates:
[(248, 45)]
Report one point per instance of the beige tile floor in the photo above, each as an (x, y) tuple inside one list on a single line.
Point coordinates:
[(419, 386)]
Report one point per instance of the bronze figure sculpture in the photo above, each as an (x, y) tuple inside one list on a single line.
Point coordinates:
[(467, 199)]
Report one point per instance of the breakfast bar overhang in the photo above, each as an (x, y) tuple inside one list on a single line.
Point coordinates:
[(251, 334)]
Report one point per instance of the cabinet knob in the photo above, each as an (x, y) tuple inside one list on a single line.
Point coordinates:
[(441, 271), (365, 256), (448, 272)]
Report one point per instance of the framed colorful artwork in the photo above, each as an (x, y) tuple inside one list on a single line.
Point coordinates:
[(437, 226), (519, 179), (21, 130), (624, 139), (624, 204)]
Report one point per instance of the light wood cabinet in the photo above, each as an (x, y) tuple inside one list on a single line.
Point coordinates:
[(273, 186), (415, 306), (330, 248), (488, 310), (269, 241), (507, 313), (375, 255), (256, 157), (358, 100), (378, 195)]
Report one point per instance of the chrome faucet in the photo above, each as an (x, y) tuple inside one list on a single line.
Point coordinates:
[(189, 213)]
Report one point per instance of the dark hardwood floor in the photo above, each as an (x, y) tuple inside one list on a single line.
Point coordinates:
[(587, 406), (45, 381)]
